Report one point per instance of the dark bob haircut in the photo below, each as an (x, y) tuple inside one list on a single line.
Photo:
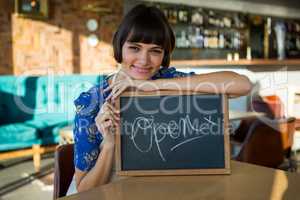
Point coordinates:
[(146, 24)]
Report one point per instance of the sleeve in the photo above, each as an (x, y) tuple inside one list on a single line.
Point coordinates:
[(87, 138), (171, 72)]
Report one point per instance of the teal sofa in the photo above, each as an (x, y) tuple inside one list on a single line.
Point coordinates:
[(34, 108)]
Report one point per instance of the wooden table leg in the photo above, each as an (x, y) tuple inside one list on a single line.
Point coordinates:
[(36, 148)]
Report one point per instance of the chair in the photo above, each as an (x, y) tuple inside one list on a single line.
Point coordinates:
[(63, 169), (266, 141), (265, 144)]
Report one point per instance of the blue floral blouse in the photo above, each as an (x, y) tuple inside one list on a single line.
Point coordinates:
[(86, 135)]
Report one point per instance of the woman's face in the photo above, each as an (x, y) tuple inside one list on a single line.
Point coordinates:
[(140, 60)]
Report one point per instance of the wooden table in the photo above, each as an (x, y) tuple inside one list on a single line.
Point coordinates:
[(245, 182), (239, 115)]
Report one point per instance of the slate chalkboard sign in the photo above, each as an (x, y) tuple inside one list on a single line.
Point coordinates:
[(172, 134)]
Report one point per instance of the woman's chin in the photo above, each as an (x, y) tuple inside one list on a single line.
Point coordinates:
[(140, 76)]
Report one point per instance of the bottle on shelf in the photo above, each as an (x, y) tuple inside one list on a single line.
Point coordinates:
[(236, 40), (236, 56), (248, 54), (206, 39), (298, 43), (214, 40), (227, 22), (198, 38), (182, 41), (228, 44), (178, 40), (172, 16), (183, 15), (211, 18), (221, 44), (197, 17), (238, 21), (297, 27), (191, 36)]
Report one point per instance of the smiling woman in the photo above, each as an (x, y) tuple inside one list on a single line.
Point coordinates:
[(142, 45), (141, 61)]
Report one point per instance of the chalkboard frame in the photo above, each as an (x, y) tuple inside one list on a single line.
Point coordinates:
[(118, 154)]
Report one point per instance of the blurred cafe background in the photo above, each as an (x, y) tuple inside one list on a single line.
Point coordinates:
[(52, 50)]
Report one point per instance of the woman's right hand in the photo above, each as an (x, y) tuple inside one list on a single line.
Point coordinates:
[(122, 81), (106, 121)]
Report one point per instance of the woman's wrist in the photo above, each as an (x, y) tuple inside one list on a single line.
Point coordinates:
[(108, 144)]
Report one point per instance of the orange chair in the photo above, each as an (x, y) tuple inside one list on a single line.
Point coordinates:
[(266, 144), (274, 106), (268, 140), (63, 169)]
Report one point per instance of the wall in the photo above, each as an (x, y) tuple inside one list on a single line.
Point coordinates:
[(58, 44), (6, 61)]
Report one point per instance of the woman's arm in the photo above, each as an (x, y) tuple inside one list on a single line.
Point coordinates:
[(99, 174), (106, 121), (225, 82)]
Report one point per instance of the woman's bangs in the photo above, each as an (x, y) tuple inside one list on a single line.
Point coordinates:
[(148, 34)]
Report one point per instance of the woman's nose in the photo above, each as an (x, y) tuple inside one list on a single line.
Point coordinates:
[(143, 58)]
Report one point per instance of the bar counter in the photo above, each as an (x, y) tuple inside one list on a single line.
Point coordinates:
[(241, 62)]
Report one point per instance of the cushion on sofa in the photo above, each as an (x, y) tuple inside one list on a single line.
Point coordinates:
[(48, 128), (17, 135), (7, 146)]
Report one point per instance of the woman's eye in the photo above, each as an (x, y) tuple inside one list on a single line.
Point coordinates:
[(157, 51), (134, 48)]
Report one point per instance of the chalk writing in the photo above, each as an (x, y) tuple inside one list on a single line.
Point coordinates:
[(181, 132)]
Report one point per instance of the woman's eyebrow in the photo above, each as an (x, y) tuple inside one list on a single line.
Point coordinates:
[(157, 47), (134, 43), (139, 45)]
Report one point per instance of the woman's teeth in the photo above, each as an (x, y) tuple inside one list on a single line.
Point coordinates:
[(141, 70)]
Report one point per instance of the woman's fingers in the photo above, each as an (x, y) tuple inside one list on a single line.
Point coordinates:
[(113, 109), (110, 109), (112, 85), (113, 93), (118, 93), (112, 116), (106, 124), (108, 127), (107, 118), (117, 89)]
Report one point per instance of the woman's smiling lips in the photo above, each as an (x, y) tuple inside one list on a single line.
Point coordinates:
[(141, 69)]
